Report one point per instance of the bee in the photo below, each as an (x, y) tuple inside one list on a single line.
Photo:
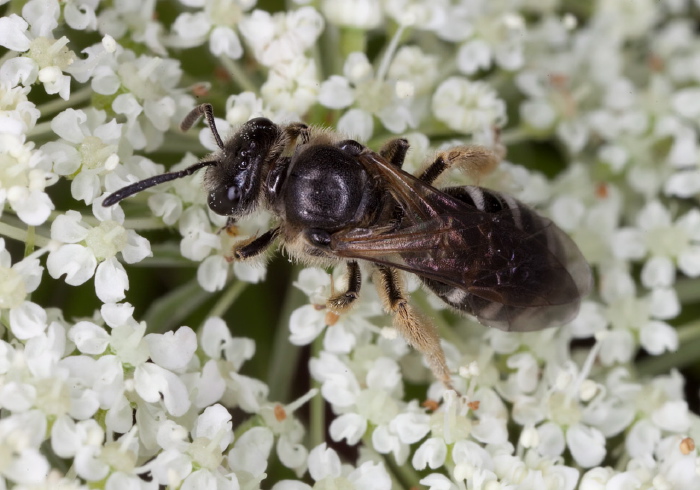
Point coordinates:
[(336, 201)]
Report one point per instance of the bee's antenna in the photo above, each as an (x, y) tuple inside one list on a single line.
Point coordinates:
[(127, 191), (194, 116)]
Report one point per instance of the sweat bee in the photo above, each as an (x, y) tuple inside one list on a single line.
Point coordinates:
[(336, 201)]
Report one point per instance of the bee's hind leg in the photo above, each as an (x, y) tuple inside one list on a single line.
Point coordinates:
[(415, 329), (476, 161), (342, 302)]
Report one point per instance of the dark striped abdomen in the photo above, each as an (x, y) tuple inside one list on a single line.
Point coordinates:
[(528, 274)]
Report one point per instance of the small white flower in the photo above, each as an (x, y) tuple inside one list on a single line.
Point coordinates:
[(291, 88), (28, 320), (372, 94), (217, 343), (251, 452), (281, 37), (154, 383), (342, 330), (349, 426), (85, 246), (325, 469), (358, 14), (627, 20), (172, 350), (657, 235), (422, 15), (412, 65), (242, 107), (89, 338), (432, 453), (215, 22), (24, 175), (88, 150), (21, 435), (45, 58), (18, 279), (467, 107), (587, 445), (627, 313)]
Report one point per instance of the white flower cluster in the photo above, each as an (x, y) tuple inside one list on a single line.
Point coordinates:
[(120, 403), (599, 111)]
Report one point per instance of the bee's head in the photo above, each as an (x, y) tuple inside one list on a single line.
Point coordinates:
[(233, 179), (234, 184)]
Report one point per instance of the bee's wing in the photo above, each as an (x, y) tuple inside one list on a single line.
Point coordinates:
[(513, 257)]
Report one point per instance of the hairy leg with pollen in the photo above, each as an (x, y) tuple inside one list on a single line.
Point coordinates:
[(420, 333), (475, 161)]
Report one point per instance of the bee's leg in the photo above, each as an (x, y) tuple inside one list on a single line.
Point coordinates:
[(343, 301), (255, 245), (297, 130), (476, 161), (418, 331), (394, 151), (230, 227)]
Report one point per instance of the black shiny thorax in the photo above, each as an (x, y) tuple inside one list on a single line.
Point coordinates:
[(327, 188)]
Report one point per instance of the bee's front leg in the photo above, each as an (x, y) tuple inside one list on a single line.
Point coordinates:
[(254, 245), (230, 227), (395, 151), (297, 131), (415, 329), (343, 301)]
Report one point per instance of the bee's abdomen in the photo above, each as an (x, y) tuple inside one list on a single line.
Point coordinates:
[(544, 267)]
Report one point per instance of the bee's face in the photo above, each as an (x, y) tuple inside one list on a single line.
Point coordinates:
[(234, 183)]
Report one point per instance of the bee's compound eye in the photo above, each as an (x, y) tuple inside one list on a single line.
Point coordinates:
[(233, 193), (225, 200)]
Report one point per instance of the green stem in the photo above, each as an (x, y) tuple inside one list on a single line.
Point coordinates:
[(40, 129), (513, 136), (389, 53), (57, 105), (22, 235), (317, 427), (168, 311), (144, 224), (177, 143), (238, 74), (29, 243), (283, 354), (228, 298), (689, 332), (688, 290), (352, 40), (331, 61), (249, 423)]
